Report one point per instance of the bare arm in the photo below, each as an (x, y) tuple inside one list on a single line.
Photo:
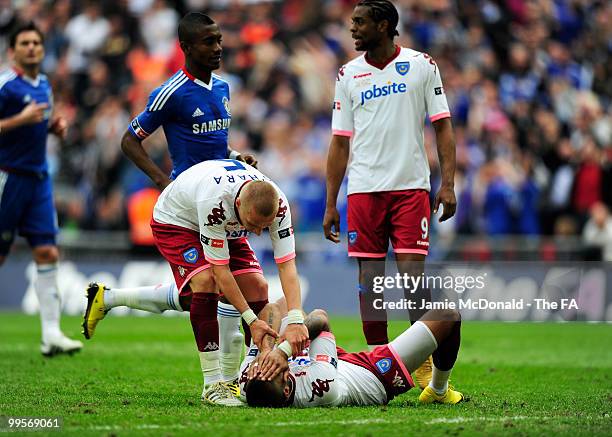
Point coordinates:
[(226, 282), (288, 275), (271, 314), (445, 140), (32, 113), (296, 333), (132, 147), (337, 160)]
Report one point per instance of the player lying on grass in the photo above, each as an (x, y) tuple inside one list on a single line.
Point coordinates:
[(326, 375)]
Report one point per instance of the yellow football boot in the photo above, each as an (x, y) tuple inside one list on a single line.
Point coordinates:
[(422, 375), (429, 396), (95, 308)]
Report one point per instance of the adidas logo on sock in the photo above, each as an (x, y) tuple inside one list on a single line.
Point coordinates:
[(197, 113)]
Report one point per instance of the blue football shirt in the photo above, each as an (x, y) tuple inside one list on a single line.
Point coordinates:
[(195, 117), (24, 148)]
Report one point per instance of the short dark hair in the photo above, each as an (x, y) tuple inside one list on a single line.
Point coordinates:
[(24, 27), (383, 10), (190, 23), (265, 394)]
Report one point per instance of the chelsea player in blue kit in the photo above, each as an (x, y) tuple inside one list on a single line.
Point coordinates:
[(26, 198), (193, 108)]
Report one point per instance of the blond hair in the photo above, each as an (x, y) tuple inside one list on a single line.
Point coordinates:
[(262, 196)]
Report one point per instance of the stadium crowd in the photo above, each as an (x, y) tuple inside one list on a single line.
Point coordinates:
[(527, 81)]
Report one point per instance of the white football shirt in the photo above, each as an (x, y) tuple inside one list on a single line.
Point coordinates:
[(384, 110), (202, 199), (321, 380)]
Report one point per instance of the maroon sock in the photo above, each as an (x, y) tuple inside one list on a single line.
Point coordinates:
[(203, 315), (374, 322), (256, 306)]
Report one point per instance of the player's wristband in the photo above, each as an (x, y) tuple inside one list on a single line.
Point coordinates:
[(285, 347), (249, 316), (295, 317), (234, 154)]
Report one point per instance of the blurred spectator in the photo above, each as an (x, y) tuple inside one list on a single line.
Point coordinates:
[(528, 83), (598, 230)]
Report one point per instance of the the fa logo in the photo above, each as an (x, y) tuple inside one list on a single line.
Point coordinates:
[(402, 67), (191, 255), (383, 365)]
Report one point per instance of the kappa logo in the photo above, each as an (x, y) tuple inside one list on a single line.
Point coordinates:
[(197, 113), (398, 381), (319, 388), (402, 67), (191, 255), (438, 90), (182, 271), (282, 211), (211, 346), (384, 365), (216, 216)]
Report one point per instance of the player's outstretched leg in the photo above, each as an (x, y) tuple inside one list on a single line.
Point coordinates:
[(101, 299), (437, 334)]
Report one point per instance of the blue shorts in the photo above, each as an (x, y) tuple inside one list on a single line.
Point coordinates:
[(26, 206)]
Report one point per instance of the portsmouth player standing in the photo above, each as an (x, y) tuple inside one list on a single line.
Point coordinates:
[(193, 109), (381, 100), (26, 198), (198, 214), (329, 376)]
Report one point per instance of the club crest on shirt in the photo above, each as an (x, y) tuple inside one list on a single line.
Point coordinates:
[(352, 237), (191, 255), (402, 67), (383, 365)]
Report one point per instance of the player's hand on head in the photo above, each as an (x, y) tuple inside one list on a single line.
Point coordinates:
[(297, 336), (255, 366), (33, 112), (259, 329), (248, 158), (272, 364), (446, 198), (331, 224)]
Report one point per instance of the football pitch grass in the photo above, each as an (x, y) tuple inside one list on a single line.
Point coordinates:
[(140, 376)]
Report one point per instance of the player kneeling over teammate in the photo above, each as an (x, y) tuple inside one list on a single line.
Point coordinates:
[(326, 375), (194, 220)]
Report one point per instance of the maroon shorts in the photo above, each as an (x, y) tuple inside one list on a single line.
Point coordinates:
[(374, 218), (182, 249), (383, 362)]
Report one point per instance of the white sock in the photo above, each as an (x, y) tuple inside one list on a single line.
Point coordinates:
[(231, 340), (49, 301), (414, 345), (439, 380), (153, 298), (209, 361)]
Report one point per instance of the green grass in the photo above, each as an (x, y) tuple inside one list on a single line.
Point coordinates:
[(140, 376)]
